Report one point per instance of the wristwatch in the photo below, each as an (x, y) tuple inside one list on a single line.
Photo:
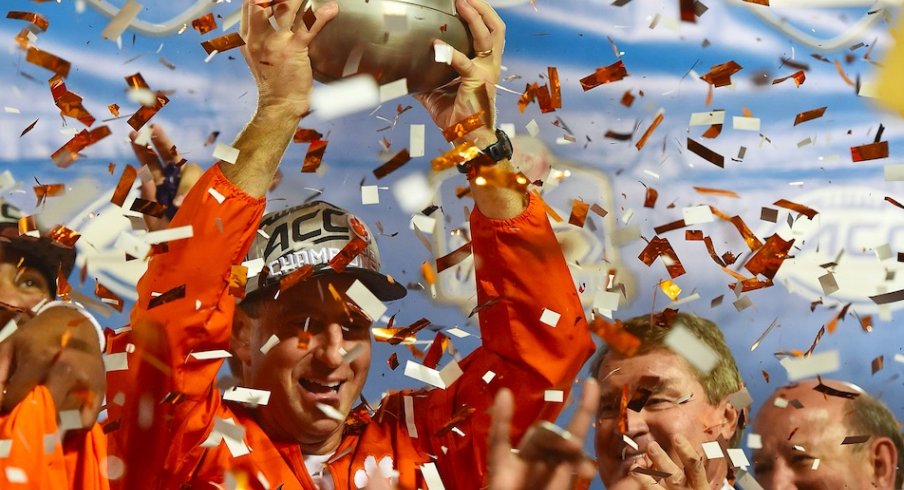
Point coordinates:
[(500, 150)]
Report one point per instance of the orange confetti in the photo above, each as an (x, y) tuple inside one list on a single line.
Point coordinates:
[(713, 131), (428, 274), (173, 294), (298, 275), (615, 336), (612, 73), (124, 186), (717, 192), (48, 61), (42, 192), (453, 258), (348, 253), (800, 208), (770, 257), (544, 100), (866, 323), (436, 350), (204, 24), (661, 247), (799, 77), (303, 135), (394, 163), (238, 278), (463, 127), (646, 135), (872, 151), (809, 115), (670, 288), (150, 208), (70, 104), (107, 296), (314, 157), (28, 224), (627, 99), (555, 87), (528, 96), (623, 410), (842, 74), (145, 113), (64, 236), (63, 288), (68, 153), (393, 361), (705, 153), (578, 213), (114, 109), (395, 336), (649, 200), (720, 75), (461, 415), (38, 20), (223, 43)]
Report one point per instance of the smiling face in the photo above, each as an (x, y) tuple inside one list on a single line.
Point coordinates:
[(308, 365), (677, 405), (21, 284), (794, 438)]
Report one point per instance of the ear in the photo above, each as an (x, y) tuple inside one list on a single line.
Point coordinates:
[(727, 419), (883, 457), (240, 342)]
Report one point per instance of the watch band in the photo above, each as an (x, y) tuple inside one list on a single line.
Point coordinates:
[(502, 149)]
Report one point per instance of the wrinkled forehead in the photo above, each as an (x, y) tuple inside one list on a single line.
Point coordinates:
[(660, 369)]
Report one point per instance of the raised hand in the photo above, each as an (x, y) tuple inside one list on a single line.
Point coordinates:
[(686, 469), (476, 90), (278, 58)]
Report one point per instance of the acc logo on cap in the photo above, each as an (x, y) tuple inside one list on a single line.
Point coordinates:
[(358, 228)]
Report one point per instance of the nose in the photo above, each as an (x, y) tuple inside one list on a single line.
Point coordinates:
[(637, 425), (781, 477), (328, 349)]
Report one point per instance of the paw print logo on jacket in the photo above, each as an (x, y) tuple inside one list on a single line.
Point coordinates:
[(386, 466)]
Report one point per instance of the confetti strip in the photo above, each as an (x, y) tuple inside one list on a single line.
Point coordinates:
[(68, 153), (872, 151), (649, 132), (608, 74), (720, 75), (37, 20), (48, 61), (393, 164), (809, 115), (799, 208), (799, 77), (223, 43), (705, 153)]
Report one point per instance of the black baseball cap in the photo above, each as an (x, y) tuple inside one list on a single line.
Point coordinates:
[(312, 234)]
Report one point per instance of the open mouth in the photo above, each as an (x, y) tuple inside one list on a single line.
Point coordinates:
[(320, 386)]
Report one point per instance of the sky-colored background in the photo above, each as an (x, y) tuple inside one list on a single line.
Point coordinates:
[(576, 36)]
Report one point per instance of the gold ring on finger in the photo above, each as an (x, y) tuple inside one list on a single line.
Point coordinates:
[(484, 54)]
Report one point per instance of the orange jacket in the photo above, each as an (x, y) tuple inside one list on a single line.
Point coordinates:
[(166, 404), (37, 460)]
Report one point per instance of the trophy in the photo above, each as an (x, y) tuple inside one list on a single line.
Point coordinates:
[(390, 40)]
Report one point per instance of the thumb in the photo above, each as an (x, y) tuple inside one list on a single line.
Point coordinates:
[(460, 62)]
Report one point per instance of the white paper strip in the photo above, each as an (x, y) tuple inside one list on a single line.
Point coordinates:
[(216, 195), (5, 446), (695, 215), (707, 118), (431, 477), (8, 329), (370, 194), (247, 395), (440, 379), (458, 332), (209, 355), (554, 396), (409, 416), (894, 172), (424, 223), (807, 367), (345, 96), (738, 458), (442, 53), (413, 192), (269, 344), (116, 362), (533, 128), (488, 376), (745, 123), (754, 441), (16, 475), (330, 412), (712, 450), (394, 90), (131, 245), (372, 306), (684, 343), (416, 140), (550, 317), (606, 300), (226, 153), (630, 442), (169, 235), (254, 267)]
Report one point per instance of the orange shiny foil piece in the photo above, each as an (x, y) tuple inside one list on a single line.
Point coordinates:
[(238, 278), (223, 43), (555, 87), (688, 11), (650, 197), (615, 336), (752, 284), (578, 213), (463, 127), (124, 186), (114, 109), (303, 135), (145, 113), (720, 75), (107, 297), (464, 152), (427, 273), (314, 157), (622, 422), (298, 275), (136, 81), (717, 192), (42, 192), (68, 153), (627, 99), (705, 153), (674, 225), (150, 208), (37, 19), (64, 289), (69, 103), (204, 24), (528, 96), (661, 247), (394, 163), (607, 74), (453, 258), (769, 258), (842, 74), (799, 77), (399, 335), (64, 236), (809, 115), (544, 99), (48, 61), (436, 350), (872, 151), (799, 208), (670, 288), (348, 253), (393, 361), (646, 135), (461, 415), (27, 224)]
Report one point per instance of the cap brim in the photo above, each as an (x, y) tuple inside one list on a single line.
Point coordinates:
[(377, 283), (44, 251)]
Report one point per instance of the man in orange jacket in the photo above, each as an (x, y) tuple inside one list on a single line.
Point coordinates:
[(302, 333), (50, 362)]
